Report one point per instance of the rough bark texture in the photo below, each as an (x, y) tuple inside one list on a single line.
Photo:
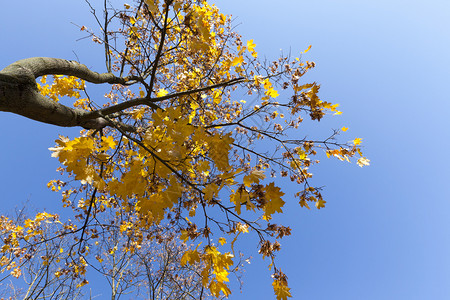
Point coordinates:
[(19, 93)]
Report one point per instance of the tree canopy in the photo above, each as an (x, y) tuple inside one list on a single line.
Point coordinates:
[(182, 151)]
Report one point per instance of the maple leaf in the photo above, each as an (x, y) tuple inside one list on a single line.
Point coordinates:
[(251, 48), (217, 287), (267, 84), (161, 93), (210, 191), (108, 143), (254, 177), (241, 196), (191, 257), (272, 93), (363, 161), (357, 141), (202, 24), (138, 114), (303, 203), (274, 202), (217, 96), (320, 203), (173, 192), (250, 45), (220, 147), (282, 291), (238, 60), (152, 5)]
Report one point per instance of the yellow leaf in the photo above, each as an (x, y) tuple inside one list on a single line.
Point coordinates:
[(241, 196), (281, 289), (309, 48), (217, 287), (258, 80), (253, 177), (139, 113), (237, 61), (344, 129), (161, 93), (303, 203), (251, 46), (184, 235), (202, 23), (199, 45), (108, 143), (220, 146), (267, 83), (222, 241), (363, 162), (217, 96), (357, 141), (192, 212), (84, 282), (274, 201), (210, 191), (272, 93), (299, 88), (191, 257), (320, 203), (242, 227), (173, 192), (152, 5)]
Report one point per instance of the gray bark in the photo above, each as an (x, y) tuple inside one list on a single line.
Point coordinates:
[(19, 93)]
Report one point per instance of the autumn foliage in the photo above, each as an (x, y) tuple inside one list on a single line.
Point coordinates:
[(196, 136)]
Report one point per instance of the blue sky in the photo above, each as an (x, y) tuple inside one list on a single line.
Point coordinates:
[(385, 232)]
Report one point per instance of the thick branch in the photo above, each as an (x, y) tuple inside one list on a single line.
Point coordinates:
[(151, 101), (19, 96), (39, 66), (19, 93)]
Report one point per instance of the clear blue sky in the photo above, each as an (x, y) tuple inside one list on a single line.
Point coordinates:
[(385, 233)]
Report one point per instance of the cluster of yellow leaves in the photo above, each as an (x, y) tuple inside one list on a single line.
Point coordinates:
[(74, 154), (200, 19), (345, 154), (61, 86), (15, 236), (216, 264), (155, 205)]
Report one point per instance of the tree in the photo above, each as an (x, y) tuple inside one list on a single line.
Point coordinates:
[(172, 145), (151, 271)]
